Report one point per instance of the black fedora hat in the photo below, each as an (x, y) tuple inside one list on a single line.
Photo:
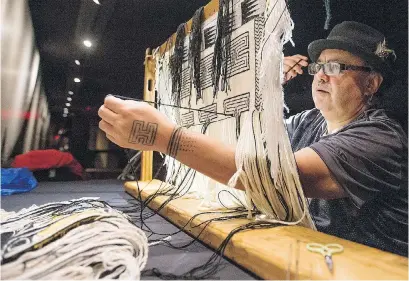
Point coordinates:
[(359, 39)]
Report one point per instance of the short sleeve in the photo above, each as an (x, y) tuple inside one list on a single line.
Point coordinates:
[(294, 121), (365, 159)]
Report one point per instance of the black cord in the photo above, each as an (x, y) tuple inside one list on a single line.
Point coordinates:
[(171, 105)]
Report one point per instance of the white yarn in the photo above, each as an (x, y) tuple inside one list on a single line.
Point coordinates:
[(264, 136), (13, 222), (108, 247)]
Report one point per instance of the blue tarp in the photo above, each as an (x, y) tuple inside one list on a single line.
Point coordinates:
[(17, 180)]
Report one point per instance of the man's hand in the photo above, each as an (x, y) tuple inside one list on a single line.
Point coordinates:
[(135, 125), (292, 66)]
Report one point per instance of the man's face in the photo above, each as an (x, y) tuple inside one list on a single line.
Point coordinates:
[(339, 97)]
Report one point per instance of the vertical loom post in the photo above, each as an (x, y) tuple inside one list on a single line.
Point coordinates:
[(148, 95)]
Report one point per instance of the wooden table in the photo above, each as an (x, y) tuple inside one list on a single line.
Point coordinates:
[(279, 252)]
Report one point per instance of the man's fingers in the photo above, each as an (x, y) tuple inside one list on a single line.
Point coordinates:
[(114, 104), (296, 60), (293, 68), (298, 69), (106, 127), (300, 57), (293, 61), (107, 115), (293, 65), (302, 62), (290, 75)]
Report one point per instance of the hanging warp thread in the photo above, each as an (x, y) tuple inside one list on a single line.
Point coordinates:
[(77, 239), (195, 44), (176, 63), (221, 53), (264, 158)]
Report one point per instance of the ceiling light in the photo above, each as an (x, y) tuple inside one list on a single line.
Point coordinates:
[(77, 62), (68, 104), (77, 80), (65, 109), (64, 115), (69, 99), (87, 43), (70, 92), (97, 2)]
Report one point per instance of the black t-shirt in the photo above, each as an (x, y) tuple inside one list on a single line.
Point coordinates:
[(368, 158)]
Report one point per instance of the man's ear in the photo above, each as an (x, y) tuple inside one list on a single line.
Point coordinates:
[(374, 82)]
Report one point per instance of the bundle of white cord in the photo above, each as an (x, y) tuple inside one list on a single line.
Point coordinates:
[(41, 215), (276, 191), (107, 247)]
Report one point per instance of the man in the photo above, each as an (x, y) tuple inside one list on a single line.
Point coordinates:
[(351, 158)]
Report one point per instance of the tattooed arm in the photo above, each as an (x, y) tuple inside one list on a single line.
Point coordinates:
[(139, 126), (204, 154)]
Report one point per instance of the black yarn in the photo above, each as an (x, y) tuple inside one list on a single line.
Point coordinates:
[(195, 44), (214, 263), (221, 54), (176, 64), (174, 106)]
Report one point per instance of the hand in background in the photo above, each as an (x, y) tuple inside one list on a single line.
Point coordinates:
[(292, 66)]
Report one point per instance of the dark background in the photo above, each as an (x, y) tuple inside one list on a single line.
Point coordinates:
[(121, 30)]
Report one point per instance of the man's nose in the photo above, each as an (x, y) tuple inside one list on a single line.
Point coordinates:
[(321, 76)]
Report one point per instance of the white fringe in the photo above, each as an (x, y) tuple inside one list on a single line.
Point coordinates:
[(264, 136)]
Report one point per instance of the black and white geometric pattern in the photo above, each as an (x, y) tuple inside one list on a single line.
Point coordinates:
[(249, 10), (237, 104), (186, 89), (246, 21), (258, 36), (206, 70), (188, 119), (209, 36), (209, 115), (239, 60)]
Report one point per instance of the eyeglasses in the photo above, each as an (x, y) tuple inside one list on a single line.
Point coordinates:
[(334, 68)]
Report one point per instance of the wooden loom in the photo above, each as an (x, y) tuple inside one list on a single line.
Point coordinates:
[(275, 253)]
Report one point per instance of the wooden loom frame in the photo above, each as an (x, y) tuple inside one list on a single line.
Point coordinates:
[(275, 253)]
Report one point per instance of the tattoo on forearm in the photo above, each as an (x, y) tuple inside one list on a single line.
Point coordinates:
[(174, 142), (181, 142), (143, 134), (187, 144)]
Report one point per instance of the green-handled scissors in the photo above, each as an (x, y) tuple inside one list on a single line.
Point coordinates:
[(327, 251)]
